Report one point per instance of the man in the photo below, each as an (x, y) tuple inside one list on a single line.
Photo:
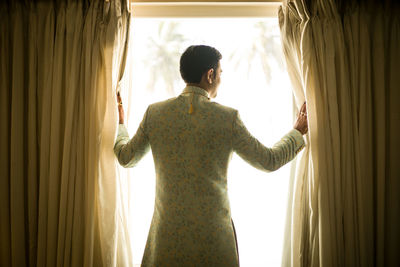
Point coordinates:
[(192, 140)]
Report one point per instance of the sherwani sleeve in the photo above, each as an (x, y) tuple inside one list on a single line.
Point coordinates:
[(259, 156), (130, 151)]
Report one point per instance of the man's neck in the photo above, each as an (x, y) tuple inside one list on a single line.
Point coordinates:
[(200, 85)]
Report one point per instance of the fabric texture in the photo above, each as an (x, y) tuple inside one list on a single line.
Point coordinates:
[(191, 224), (343, 57), (60, 62)]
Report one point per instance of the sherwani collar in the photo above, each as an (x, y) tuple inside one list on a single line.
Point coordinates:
[(195, 90)]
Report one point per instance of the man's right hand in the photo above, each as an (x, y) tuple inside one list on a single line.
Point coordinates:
[(120, 109), (302, 124)]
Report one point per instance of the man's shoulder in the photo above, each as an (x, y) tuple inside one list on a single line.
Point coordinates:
[(163, 103), (222, 108), (174, 102)]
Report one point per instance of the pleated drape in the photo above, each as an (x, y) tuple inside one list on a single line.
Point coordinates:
[(60, 63), (343, 57)]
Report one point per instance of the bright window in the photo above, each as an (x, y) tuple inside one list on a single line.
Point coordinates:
[(254, 81)]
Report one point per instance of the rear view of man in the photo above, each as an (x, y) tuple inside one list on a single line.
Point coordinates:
[(192, 140)]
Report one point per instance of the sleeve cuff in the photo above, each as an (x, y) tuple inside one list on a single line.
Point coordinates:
[(298, 137), (122, 131)]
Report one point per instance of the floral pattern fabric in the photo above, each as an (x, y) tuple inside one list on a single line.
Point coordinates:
[(192, 140)]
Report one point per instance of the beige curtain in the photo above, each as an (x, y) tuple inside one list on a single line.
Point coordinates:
[(60, 63), (343, 57)]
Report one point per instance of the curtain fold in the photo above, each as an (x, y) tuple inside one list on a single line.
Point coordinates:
[(342, 57), (60, 64)]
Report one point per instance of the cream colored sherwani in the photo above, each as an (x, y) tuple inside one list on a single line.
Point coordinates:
[(191, 224)]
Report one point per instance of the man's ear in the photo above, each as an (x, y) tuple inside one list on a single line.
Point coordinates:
[(210, 73)]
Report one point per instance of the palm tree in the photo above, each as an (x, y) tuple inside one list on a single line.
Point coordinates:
[(163, 58), (263, 47)]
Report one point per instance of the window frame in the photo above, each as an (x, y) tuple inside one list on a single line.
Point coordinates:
[(205, 9)]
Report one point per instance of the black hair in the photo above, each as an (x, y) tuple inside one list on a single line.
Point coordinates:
[(196, 60)]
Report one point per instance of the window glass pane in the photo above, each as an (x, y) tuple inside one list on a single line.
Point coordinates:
[(254, 81)]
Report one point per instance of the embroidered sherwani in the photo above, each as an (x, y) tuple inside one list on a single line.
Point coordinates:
[(192, 140)]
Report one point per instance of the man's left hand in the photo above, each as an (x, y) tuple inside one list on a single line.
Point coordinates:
[(302, 123)]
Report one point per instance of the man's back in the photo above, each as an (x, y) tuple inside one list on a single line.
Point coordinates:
[(192, 140), (191, 151), (191, 224)]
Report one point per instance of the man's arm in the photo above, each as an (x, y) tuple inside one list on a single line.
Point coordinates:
[(261, 157), (130, 152)]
